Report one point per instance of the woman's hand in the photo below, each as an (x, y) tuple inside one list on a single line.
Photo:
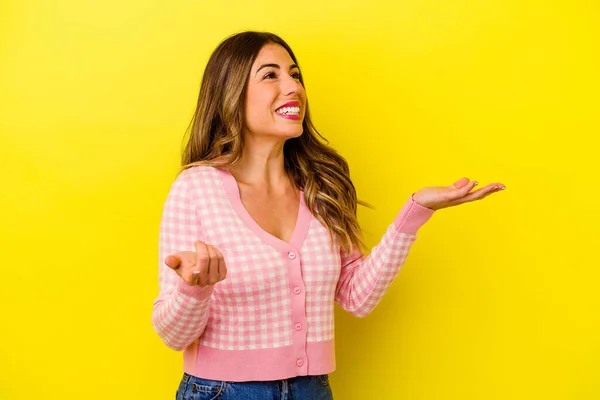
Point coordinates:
[(205, 266), (436, 197)]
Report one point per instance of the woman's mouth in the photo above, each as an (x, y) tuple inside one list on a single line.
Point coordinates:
[(289, 112)]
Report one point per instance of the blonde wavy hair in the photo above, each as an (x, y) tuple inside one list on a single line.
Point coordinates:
[(214, 138)]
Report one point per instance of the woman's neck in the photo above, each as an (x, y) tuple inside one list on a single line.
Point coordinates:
[(262, 165)]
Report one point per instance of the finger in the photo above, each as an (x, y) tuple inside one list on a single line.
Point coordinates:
[(194, 278), (173, 261), (189, 276), (213, 271), (468, 187), (183, 262), (202, 262), (459, 183), (496, 188), (476, 195), (187, 267), (222, 266), (457, 194)]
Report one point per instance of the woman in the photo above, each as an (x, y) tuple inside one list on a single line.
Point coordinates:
[(259, 235)]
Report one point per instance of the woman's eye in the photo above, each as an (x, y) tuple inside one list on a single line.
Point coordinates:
[(296, 75), (270, 75)]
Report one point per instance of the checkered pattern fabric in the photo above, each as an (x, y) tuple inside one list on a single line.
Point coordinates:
[(254, 307)]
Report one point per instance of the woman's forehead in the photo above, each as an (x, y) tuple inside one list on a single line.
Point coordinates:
[(275, 54)]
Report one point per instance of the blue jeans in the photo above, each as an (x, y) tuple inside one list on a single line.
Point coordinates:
[(298, 388)]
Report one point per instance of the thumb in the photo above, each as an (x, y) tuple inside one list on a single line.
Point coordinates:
[(173, 261), (459, 183)]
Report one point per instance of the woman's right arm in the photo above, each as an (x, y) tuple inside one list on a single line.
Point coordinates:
[(181, 310)]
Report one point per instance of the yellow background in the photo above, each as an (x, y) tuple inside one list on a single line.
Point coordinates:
[(498, 299)]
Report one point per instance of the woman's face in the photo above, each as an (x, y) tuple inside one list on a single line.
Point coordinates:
[(275, 98)]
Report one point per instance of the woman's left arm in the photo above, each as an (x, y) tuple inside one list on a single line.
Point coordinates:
[(365, 279)]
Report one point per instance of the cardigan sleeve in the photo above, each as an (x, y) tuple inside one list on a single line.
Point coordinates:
[(365, 279), (180, 311)]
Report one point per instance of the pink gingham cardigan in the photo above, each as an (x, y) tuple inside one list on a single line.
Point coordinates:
[(272, 317)]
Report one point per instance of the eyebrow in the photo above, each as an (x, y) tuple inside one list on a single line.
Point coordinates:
[(275, 66)]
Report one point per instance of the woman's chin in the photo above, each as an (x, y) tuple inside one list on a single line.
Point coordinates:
[(281, 134), (290, 133)]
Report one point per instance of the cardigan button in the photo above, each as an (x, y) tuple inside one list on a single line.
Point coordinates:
[(291, 255), (298, 327), (297, 290), (300, 362)]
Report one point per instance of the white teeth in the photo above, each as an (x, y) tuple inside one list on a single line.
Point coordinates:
[(289, 110)]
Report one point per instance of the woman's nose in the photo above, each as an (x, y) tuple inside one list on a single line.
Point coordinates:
[(291, 85)]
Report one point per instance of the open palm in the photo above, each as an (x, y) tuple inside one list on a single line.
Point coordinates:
[(437, 197)]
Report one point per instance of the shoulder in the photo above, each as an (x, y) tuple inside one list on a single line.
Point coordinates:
[(198, 173), (199, 180)]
